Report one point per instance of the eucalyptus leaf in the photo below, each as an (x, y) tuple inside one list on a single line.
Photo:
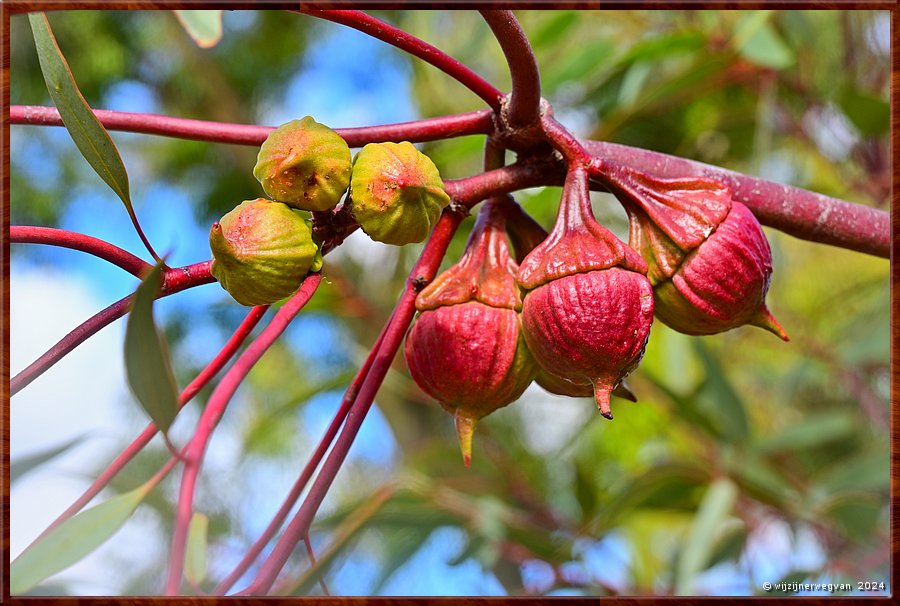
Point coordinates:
[(205, 27), (147, 362), (87, 132), (72, 540)]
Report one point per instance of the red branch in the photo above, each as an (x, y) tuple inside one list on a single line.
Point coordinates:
[(213, 412), (426, 268), (28, 234), (125, 457), (310, 467), (174, 280), (385, 32), (795, 211), (798, 212), (428, 129), (525, 99)]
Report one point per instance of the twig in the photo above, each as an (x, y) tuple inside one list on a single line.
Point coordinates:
[(213, 412), (300, 484), (174, 280), (426, 268), (394, 36), (29, 234), (525, 97), (428, 129)]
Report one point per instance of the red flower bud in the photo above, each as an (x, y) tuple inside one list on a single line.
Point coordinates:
[(589, 308), (466, 348), (710, 262)]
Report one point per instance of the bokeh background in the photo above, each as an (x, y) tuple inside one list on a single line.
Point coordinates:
[(746, 460)]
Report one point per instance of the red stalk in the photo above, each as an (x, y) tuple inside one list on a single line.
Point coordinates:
[(212, 414)]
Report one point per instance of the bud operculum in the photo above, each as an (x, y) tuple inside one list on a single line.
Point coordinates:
[(305, 165), (262, 250), (397, 193)]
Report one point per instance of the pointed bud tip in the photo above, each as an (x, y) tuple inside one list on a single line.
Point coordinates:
[(601, 396), (765, 319), (465, 429)]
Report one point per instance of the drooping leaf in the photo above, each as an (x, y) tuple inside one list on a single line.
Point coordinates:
[(20, 467), (205, 27), (195, 555), (714, 509), (72, 540), (147, 362), (87, 132)]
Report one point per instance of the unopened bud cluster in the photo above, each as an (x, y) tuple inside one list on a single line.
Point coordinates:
[(575, 314), (263, 249)]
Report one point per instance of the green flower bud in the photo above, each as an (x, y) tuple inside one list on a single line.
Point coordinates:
[(304, 164), (397, 192), (262, 250)]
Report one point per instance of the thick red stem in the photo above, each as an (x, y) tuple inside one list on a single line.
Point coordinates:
[(428, 129), (798, 212), (525, 99), (212, 414), (394, 36), (29, 234), (310, 467), (425, 268), (174, 280)]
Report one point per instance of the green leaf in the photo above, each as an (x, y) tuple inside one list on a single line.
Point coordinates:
[(817, 431), (20, 467), (147, 363), (666, 486), (89, 136), (714, 509), (855, 515), (718, 399), (205, 27), (72, 540), (869, 114), (758, 42), (195, 555)]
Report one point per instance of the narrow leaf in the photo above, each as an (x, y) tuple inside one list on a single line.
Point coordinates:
[(72, 540), (195, 556), (147, 361), (714, 509), (205, 27), (20, 467), (89, 136)]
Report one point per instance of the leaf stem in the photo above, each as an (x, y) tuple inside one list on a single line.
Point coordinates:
[(212, 414), (30, 234)]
